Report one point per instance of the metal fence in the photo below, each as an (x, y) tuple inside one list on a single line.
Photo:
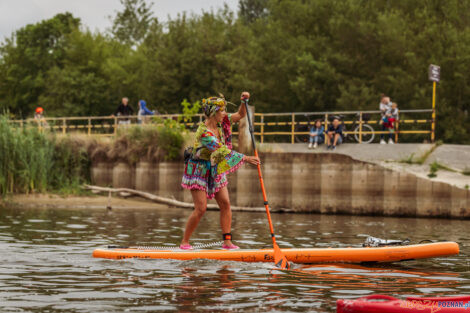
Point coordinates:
[(360, 126)]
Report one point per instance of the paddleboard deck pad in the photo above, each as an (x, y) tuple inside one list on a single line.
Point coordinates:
[(304, 255)]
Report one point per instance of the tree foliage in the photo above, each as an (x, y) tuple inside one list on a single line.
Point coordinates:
[(292, 55), (131, 25), (252, 10)]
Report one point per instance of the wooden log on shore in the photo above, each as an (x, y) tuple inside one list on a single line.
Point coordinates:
[(171, 202)]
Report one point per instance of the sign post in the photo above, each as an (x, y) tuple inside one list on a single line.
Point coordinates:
[(434, 75)]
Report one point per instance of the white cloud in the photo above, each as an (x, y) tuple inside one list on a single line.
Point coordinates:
[(15, 14)]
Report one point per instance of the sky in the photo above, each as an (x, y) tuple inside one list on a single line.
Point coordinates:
[(15, 14)]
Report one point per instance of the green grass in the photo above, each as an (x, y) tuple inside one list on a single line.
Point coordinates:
[(436, 166), (408, 160), (466, 171), (433, 168), (444, 167), (420, 160), (425, 156)]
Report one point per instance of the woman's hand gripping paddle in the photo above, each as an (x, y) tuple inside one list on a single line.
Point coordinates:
[(280, 259)]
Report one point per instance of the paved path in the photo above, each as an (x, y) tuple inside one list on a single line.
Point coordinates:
[(456, 157), (363, 152)]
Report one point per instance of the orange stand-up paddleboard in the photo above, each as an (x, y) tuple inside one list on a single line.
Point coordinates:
[(305, 255)]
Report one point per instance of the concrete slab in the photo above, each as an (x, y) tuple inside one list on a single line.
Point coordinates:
[(454, 156), (362, 152)]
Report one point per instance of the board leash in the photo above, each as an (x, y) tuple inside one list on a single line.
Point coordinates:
[(195, 247)]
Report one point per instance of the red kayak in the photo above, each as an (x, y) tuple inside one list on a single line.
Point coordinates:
[(387, 304)]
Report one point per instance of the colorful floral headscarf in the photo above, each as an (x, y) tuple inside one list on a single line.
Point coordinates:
[(211, 105)]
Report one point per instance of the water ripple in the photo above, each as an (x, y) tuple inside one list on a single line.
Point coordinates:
[(48, 264)]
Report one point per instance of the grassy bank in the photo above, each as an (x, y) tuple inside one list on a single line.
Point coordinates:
[(34, 161), (158, 142)]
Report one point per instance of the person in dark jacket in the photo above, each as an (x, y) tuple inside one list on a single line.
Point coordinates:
[(124, 110), (334, 134)]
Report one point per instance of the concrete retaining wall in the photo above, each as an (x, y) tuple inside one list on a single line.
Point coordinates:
[(320, 182)]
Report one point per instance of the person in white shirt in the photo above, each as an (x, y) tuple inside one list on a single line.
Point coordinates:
[(385, 106)]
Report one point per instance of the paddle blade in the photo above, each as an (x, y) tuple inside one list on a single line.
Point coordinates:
[(280, 259)]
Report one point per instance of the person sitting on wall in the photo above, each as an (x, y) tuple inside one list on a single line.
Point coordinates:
[(334, 135), (316, 135)]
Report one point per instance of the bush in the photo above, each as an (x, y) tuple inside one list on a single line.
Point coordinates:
[(162, 141)]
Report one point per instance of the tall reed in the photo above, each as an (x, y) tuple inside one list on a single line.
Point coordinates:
[(35, 161)]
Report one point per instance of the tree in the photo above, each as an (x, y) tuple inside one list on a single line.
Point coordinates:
[(132, 24), (293, 55), (82, 86), (251, 10), (27, 56)]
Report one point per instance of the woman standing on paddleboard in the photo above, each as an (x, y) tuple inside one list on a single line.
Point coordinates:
[(211, 159)]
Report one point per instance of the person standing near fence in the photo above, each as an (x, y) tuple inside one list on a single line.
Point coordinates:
[(143, 112), (39, 117), (385, 106), (391, 124), (124, 109)]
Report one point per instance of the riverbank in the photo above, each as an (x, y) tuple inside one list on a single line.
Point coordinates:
[(52, 201), (389, 180), (328, 183)]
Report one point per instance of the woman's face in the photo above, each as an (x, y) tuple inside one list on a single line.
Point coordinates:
[(318, 124), (219, 116)]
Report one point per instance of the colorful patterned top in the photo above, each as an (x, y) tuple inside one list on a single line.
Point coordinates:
[(212, 159)]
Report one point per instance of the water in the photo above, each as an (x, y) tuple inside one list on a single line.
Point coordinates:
[(46, 262)]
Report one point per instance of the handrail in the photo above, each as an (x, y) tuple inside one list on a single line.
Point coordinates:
[(292, 120), (339, 112)]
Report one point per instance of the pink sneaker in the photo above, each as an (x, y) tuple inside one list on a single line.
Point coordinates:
[(231, 247), (186, 247)]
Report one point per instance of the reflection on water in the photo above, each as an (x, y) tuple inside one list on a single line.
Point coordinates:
[(47, 264)]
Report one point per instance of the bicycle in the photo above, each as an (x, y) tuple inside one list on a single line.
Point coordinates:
[(368, 133)]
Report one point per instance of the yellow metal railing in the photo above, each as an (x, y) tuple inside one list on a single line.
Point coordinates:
[(292, 124)]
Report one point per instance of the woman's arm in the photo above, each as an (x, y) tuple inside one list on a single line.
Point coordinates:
[(236, 117)]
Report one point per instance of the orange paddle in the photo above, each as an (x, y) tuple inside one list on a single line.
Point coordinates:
[(280, 259)]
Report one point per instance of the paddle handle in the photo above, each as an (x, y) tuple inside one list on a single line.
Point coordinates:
[(265, 198)]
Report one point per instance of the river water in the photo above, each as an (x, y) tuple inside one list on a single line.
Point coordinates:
[(46, 263)]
